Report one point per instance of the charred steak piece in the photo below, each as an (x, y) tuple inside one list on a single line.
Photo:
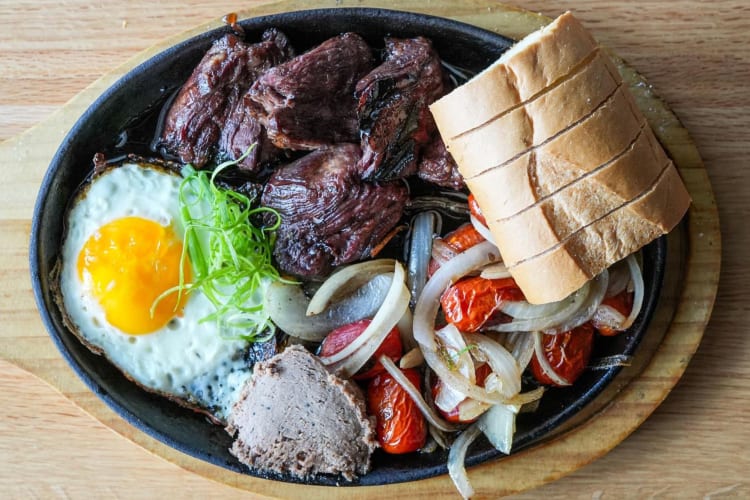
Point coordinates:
[(308, 102), (199, 112), (241, 130), (436, 166), (294, 417), (392, 108), (329, 216)]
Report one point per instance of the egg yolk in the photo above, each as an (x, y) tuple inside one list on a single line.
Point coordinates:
[(127, 264)]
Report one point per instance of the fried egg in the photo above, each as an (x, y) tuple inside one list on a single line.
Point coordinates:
[(122, 251)]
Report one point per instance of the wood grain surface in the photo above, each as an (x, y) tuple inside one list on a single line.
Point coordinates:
[(696, 55)]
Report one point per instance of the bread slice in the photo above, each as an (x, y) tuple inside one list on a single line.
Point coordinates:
[(537, 120), (564, 268), (594, 141), (550, 221), (530, 66)]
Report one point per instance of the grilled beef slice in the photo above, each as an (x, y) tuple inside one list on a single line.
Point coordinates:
[(436, 165), (329, 216), (294, 417), (392, 108), (308, 101), (194, 122)]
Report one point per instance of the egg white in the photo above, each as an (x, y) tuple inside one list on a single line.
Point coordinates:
[(185, 359)]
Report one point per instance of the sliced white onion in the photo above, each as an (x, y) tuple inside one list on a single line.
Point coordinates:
[(495, 272), (523, 350), (411, 359), (429, 414), (638, 291), (429, 447), (435, 433), (386, 311), (344, 281), (610, 317), (499, 425), (428, 304), (593, 301), (502, 362), (523, 310), (457, 382), (482, 229), (438, 436), (441, 251), (619, 278), (352, 364), (406, 329), (525, 398), (470, 409), (454, 346), (456, 458), (287, 304), (384, 320), (532, 321), (544, 362)]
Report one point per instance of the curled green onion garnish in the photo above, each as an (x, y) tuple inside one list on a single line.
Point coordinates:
[(230, 256)]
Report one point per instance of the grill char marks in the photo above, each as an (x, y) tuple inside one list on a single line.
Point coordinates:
[(194, 123), (392, 102)]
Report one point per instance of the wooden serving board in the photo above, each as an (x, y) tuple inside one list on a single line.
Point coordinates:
[(24, 342)]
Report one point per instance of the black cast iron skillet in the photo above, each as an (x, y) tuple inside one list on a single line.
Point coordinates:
[(129, 103)]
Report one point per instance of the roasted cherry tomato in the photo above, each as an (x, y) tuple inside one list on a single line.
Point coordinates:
[(344, 335), (401, 427), (475, 210), (459, 240), (453, 415), (568, 353), (622, 303), (470, 302)]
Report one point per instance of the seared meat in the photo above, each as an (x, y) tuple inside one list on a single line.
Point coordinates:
[(392, 108), (199, 112), (241, 130), (437, 166), (329, 216), (308, 102), (294, 417)]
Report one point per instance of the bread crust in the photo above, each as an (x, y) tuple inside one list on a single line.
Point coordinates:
[(559, 107), (526, 69), (592, 140), (546, 223), (603, 135), (563, 269)]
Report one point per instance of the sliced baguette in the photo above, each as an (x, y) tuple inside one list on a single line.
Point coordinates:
[(593, 142), (537, 120), (550, 222), (564, 268), (530, 66), (604, 132)]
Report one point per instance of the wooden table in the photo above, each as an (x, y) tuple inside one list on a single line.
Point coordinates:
[(695, 54)]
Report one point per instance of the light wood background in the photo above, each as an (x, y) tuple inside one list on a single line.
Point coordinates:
[(695, 54)]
